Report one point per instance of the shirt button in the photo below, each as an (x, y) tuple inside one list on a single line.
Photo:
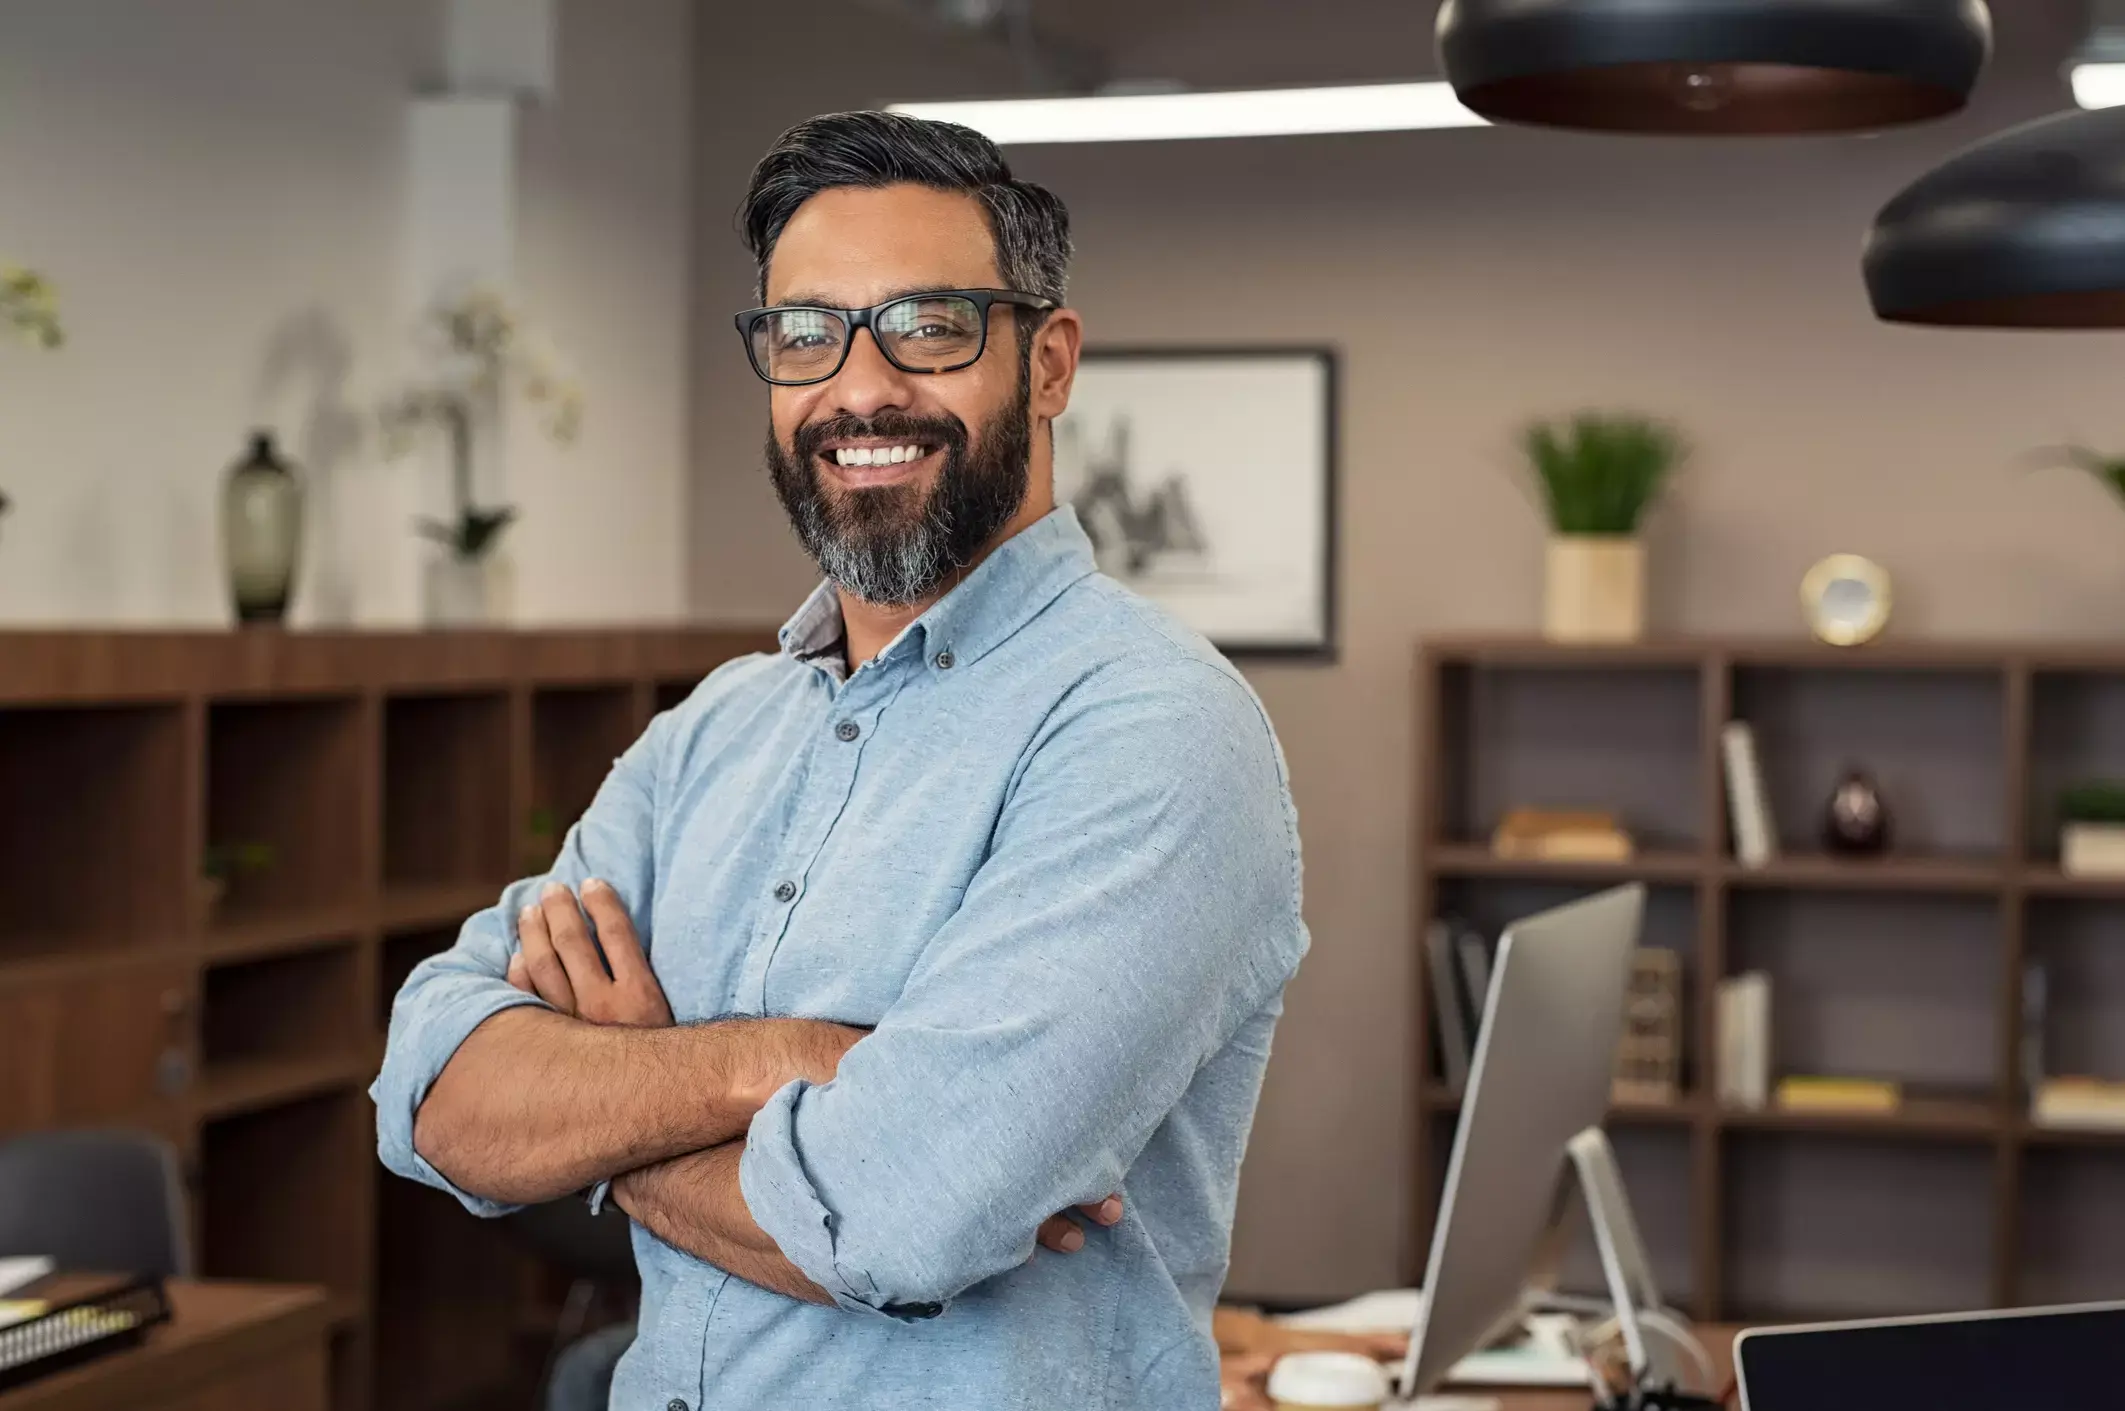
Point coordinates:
[(785, 890), (946, 661), (847, 730), (675, 1404)]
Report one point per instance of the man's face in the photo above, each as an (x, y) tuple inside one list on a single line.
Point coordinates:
[(948, 453)]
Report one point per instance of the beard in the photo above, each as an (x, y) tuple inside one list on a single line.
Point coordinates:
[(894, 545)]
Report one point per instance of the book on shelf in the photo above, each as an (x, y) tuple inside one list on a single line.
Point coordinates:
[(1748, 806), (2077, 1101), (1450, 1023), (1803, 1092), (1744, 1040), (1561, 835)]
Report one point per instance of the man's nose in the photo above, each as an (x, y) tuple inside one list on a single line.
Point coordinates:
[(868, 383)]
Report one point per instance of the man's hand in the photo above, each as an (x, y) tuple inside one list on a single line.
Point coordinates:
[(558, 961), (1063, 1234)]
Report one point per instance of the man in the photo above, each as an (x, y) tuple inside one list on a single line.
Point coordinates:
[(974, 904)]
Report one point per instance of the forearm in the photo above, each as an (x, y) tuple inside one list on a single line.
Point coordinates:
[(693, 1203), (535, 1105)]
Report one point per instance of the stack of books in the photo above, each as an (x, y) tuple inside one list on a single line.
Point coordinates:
[(1560, 835), (2080, 1102), (1807, 1093)]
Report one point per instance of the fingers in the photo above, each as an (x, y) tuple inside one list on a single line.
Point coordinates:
[(549, 978), (616, 932), (1061, 1234), (519, 976), (571, 939), (1106, 1212)]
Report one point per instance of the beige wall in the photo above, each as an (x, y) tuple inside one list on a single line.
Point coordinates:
[(1473, 279), (216, 187)]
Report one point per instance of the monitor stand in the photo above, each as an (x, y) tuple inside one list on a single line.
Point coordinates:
[(1659, 1350)]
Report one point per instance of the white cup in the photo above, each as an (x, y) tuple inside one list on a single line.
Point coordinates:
[(1328, 1381)]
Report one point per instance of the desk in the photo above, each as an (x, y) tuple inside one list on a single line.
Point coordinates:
[(227, 1347), (1718, 1340)]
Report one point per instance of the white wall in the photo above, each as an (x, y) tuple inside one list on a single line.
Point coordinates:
[(216, 188)]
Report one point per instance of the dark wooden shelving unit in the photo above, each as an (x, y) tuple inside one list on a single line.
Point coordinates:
[(1908, 966), (390, 779)]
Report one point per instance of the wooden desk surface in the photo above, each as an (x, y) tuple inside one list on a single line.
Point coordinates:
[(219, 1336), (1718, 1340)]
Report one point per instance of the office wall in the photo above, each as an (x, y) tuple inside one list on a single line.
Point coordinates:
[(1472, 279), (216, 188)]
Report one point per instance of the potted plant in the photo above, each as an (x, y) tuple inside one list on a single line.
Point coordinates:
[(223, 864), (1598, 475), (31, 309), (482, 355), (2092, 829)]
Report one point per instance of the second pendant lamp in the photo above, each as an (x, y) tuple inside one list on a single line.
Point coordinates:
[(1714, 66)]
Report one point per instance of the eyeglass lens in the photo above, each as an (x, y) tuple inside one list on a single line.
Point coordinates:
[(930, 334)]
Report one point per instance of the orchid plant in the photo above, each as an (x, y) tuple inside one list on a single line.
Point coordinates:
[(30, 307), (484, 353)]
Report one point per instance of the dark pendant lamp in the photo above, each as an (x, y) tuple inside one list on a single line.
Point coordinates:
[(1714, 66), (2022, 230)]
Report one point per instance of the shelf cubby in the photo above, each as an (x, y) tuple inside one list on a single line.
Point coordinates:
[(284, 806), (448, 795), (285, 1012), (277, 1186), (1848, 1228), (2073, 1224), (93, 843), (576, 734)]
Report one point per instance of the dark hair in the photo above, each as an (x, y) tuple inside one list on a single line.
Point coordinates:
[(1030, 224)]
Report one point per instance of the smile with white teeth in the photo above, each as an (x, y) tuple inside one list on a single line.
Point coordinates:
[(876, 455)]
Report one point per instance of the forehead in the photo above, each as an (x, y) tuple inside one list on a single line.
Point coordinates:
[(854, 246)]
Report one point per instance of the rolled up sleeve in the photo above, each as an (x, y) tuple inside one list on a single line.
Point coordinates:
[(451, 994), (1140, 902)]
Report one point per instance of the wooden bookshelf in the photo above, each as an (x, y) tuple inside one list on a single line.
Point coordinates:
[(390, 779), (1907, 966)]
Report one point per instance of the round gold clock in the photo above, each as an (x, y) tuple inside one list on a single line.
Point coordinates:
[(1846, 599)]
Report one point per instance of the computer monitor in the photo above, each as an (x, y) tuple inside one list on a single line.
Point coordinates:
[(2054, 1359), (1544, 1058)]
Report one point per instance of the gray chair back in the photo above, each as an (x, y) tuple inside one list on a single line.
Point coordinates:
[(110, 1202)]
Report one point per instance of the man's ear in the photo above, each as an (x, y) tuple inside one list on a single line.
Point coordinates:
[(1054, 365)]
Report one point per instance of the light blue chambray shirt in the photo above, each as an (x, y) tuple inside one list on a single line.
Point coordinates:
[(1043, 845)]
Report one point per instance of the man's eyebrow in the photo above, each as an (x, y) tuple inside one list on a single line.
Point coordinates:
[(826, 301)]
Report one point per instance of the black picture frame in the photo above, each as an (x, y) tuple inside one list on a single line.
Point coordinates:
[(1321, 642)]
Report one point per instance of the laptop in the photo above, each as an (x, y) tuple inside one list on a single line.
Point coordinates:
[(2064, 1358)]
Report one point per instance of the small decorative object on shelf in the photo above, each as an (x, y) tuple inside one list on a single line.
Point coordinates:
[(1598, 476), (2092, 830), (31, 309), (1560, 835), (1846, 599), (484, 353), (1856, 821), (1649, 1058), (1807, 1093), (224, 863), (261, 531)]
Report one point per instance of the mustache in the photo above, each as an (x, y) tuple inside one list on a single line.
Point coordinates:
[(946, 432)]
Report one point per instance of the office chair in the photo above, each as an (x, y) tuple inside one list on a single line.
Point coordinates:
[(596, 1254), (106, 1202)]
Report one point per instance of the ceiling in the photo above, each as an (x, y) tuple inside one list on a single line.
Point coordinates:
[(1242, 43)]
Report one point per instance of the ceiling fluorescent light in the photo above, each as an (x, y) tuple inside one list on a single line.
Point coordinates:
[(2099, 85), (1156, 117)]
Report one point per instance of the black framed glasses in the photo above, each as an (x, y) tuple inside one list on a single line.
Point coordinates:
[(941, 331)]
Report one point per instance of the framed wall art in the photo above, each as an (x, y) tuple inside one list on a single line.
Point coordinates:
[(1206, 478)]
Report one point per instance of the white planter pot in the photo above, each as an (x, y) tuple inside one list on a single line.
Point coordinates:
[(1594, 588), (2092, 849), (478, 592)]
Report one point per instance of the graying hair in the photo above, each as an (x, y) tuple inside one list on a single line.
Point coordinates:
[(1029, 223)]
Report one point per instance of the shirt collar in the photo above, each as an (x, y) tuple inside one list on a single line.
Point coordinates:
[(1010, 588)]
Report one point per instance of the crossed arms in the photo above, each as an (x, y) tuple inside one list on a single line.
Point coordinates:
[(1137, 904)]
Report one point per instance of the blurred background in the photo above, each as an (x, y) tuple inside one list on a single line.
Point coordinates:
[(246, 209)]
